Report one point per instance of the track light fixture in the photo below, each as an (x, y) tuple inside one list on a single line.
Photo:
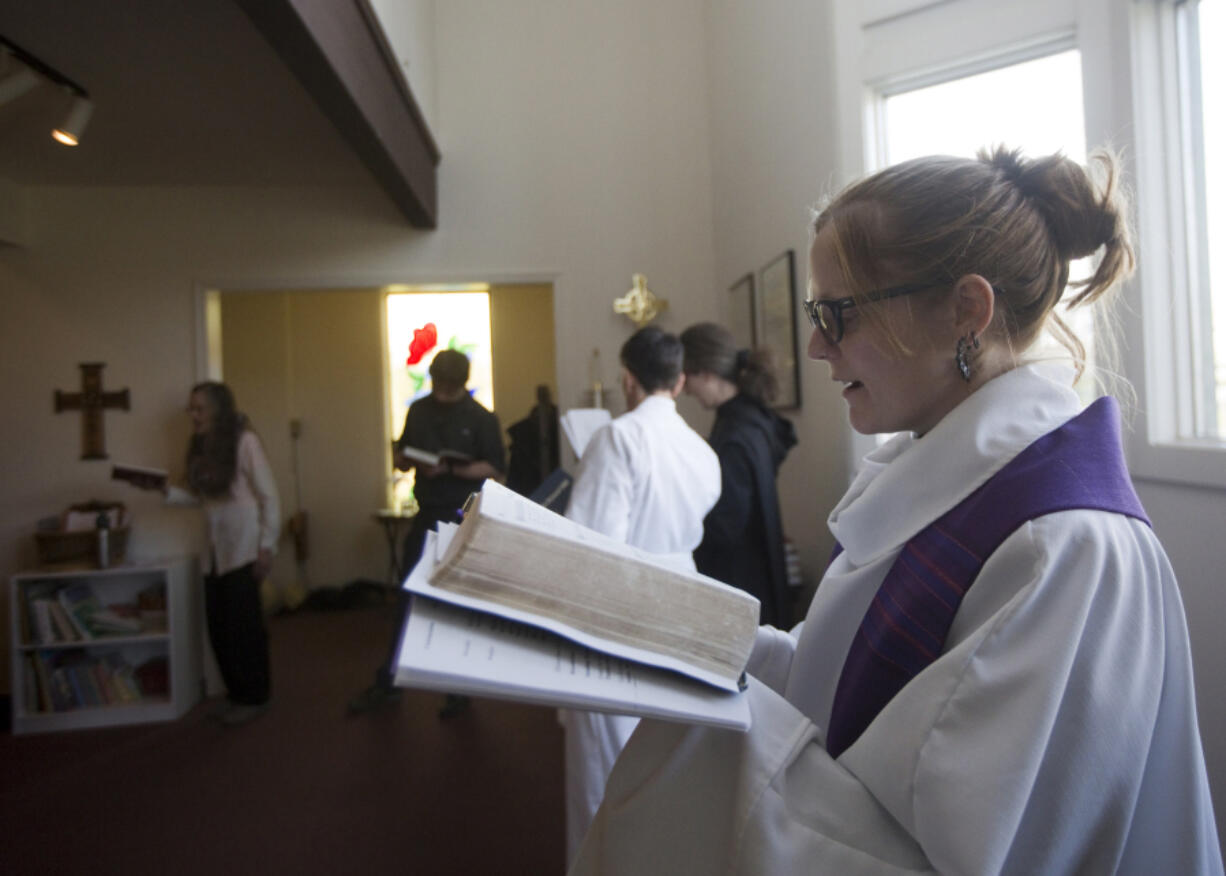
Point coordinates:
[(16, 84), (69, 133)]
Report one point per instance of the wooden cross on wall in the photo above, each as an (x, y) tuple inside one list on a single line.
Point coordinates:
[(91, 401)]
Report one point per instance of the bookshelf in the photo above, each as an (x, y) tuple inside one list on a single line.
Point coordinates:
[(131, 656)]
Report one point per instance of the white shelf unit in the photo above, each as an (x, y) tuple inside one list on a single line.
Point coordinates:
[(179, 642)]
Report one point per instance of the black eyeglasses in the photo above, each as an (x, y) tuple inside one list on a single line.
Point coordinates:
[(826, 314)]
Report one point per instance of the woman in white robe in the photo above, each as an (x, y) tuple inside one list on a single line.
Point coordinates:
[(1055, 731)]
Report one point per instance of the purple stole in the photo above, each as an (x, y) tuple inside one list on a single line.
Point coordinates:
[(1079, 465)]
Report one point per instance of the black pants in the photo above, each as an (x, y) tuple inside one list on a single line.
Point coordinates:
[(426, 520), (238, 633)]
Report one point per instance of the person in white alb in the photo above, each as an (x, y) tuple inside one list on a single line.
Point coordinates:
[(228, 473), (648, 479), (994, 675)]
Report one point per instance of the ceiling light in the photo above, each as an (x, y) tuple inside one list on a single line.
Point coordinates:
[(69, 133)]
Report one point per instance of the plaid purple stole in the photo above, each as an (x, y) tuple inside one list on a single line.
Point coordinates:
[(1079, 465)]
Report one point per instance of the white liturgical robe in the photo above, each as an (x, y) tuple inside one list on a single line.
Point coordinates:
[(647, 479), (1056, 733)]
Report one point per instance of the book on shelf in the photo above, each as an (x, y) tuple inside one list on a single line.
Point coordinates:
[(141, 477), (37, 696), (91, 617), (102, 679), (85, 689), (65, 631), (43, 675), (74, 678), (120, 677), (42, 626), (521, 603), (63, 697), (416, 455)]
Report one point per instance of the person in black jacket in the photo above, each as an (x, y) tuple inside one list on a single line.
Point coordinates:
[(742, 541)]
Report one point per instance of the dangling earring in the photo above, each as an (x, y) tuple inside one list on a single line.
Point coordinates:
[(961, 359)]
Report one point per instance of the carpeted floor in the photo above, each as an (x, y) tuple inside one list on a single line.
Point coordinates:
[(304, 789)]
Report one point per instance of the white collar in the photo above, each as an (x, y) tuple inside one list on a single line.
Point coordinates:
[(653, 402), (907, 482)]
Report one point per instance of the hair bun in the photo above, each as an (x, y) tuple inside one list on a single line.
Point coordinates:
[(1082, 216)]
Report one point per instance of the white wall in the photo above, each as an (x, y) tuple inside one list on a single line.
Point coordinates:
[(770, 80), (408, 27), (574, 138)]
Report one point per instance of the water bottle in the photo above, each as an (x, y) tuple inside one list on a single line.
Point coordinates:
[(104, 547)]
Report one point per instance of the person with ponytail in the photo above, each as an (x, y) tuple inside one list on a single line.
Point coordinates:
[(994, 674), (228, 473), (742, 540)]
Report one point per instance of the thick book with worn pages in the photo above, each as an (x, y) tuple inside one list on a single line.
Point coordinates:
[(520, 560), (450, 648)]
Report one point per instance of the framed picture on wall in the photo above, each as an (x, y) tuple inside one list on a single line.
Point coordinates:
[(775, 324), (741, 311)]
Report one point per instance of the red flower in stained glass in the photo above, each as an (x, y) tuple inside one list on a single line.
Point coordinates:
[(424, 340)]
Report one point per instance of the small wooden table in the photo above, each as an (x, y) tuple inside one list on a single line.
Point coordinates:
[(394, 525)]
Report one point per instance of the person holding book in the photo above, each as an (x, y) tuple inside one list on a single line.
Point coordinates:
[(453, 444), (994, 674), (228, 473), (742, 539), (647, 479)]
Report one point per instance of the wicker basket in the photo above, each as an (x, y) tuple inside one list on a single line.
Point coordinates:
[(57, 546)]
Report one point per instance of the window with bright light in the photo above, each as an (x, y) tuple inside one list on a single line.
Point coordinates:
[(1201, 28), (419, 325), (1034, 105)]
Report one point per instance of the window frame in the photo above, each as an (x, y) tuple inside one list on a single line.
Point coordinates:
[(1131, 88), (1167, 356)]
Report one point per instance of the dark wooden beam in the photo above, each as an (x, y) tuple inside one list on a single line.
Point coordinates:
[(337, 55)]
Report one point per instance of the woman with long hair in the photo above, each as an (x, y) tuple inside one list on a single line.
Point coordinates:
[(228, 473), (742, 540), (994, 674)]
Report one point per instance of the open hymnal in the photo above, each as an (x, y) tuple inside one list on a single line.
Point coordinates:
[(579, 424), (448, 647), (140, 476), (415, 455), (516, 558)]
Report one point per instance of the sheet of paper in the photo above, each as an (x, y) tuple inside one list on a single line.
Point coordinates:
[(579, 424), (448, 648), (418, 582)]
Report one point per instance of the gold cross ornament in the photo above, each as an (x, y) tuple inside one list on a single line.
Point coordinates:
[(639, 303)]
